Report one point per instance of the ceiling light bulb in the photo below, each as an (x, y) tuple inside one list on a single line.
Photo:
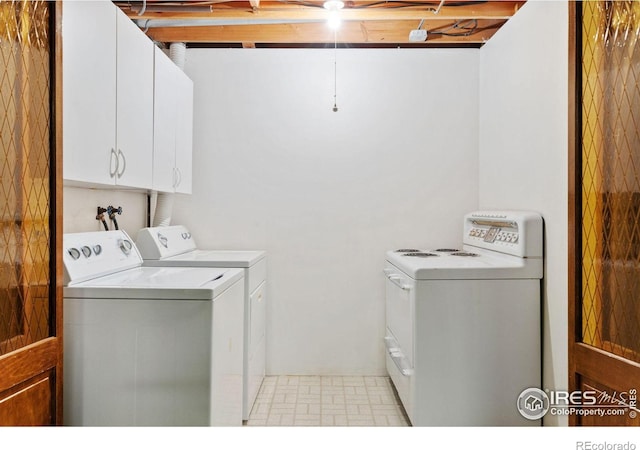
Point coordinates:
[(333, 5), (334, 20)]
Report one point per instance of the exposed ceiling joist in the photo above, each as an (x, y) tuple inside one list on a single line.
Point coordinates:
[(488, 10), (362, 32), (448, 23)]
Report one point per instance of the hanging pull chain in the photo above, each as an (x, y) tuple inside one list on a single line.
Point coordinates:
[(335, 70)]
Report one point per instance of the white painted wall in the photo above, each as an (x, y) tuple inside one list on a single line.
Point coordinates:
[(80, 207), (326, 194), (523, 150)]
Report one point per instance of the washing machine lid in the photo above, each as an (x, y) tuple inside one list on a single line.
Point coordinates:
[(210, 258), (161, 283)]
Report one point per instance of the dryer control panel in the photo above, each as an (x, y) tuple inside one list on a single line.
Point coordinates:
[(164, 242)]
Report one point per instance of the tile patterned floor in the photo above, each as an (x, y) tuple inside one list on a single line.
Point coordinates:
[(327, 401)]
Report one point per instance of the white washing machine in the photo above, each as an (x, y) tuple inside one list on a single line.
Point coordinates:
[(463, 325), (174, 246), (147, 346)]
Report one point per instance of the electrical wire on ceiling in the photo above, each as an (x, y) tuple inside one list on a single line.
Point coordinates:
[(459, 25), (143, 8), (431, 6), (459, 28), (389, 4)]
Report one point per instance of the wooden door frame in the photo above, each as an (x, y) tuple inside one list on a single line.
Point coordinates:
[(575, 198), (584, 360), (56, 197), (41, 361)]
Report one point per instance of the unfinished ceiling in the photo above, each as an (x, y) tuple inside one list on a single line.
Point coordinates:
[(259, 23)]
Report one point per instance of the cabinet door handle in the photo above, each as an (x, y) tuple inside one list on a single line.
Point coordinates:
[(124, 163), (113, 158), (178, 177)]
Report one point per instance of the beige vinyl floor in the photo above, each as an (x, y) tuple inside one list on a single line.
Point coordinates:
[(327, 401)]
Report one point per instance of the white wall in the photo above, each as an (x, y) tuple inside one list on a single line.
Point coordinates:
[(80, 207), (326, 194), (523, 149)]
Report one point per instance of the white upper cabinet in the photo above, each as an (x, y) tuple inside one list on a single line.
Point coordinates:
[(134, 116), (89, 91), (164, 119), (107, 97), (184, 134), (173, 127)]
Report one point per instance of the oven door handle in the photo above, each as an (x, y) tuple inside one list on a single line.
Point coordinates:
[(398, 357), (397, 280)]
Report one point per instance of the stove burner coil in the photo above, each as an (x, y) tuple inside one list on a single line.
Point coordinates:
[(464, 254), (407, 250), (420, 255), (446, 250)]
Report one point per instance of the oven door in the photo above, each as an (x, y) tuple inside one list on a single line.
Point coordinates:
[(400, 293), (400, 308)]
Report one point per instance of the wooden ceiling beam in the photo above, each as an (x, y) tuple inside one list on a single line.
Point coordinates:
[(280, 11), (353, 32), (290, 22)]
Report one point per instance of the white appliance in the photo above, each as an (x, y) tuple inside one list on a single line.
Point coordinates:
[(175, 246), (146, 345), (463, 334)]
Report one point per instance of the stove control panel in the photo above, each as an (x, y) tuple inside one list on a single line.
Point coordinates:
[(516, 233), (493, 234)]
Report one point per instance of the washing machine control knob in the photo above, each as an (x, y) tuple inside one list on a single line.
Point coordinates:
[(74, 253), (163, 240), (125, 246)]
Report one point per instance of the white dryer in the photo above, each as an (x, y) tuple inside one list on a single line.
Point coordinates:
[(147, 346), (174, 246)]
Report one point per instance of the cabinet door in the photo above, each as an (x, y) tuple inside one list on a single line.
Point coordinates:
[(164, 123), (184, 133), (89, 91), (134, 114)]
